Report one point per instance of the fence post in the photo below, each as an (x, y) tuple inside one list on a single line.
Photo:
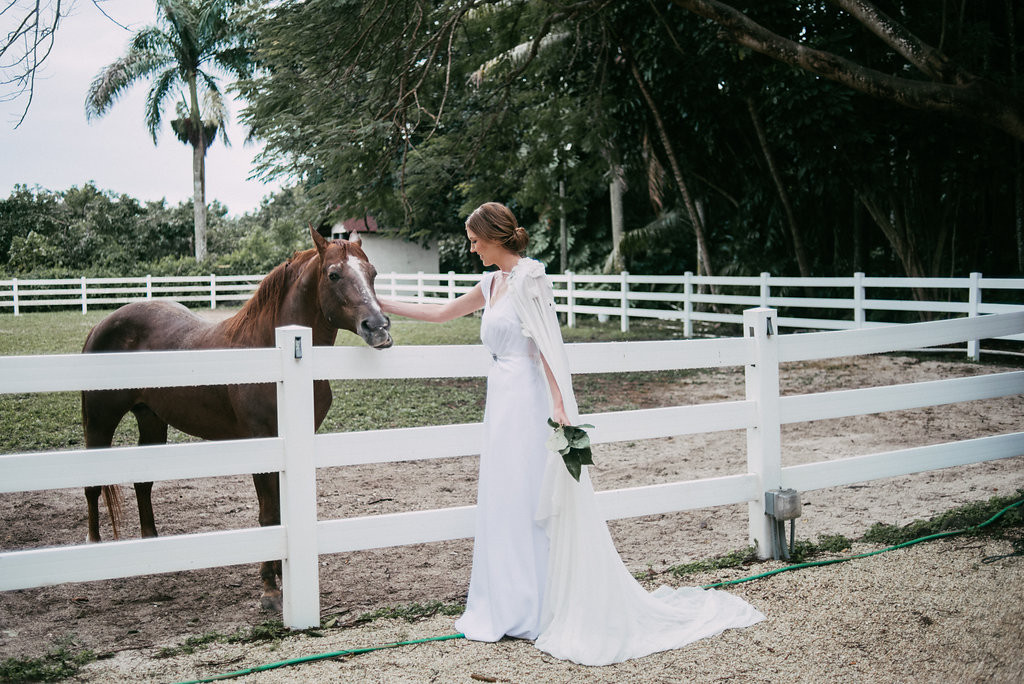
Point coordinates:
[(300, 579), (858, 300), (451, 284), (764, 444), (213, 290), (14, 292), (973, 308), (420, 294), (624, 327), (570, 299), (765, 291), (149, 286), (688, 304), (394, 284), (85, 297)]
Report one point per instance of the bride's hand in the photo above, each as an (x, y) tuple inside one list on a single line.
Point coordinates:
[(559, 416)]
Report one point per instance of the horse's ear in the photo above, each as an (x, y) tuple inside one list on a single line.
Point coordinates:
[(318, 239)]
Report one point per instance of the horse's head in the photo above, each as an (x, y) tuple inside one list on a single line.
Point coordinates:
[(345, 291)]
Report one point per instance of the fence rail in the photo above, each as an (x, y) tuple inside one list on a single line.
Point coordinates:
[(832, 303), (297, 452)]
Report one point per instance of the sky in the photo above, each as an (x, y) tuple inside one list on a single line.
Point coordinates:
[(56, 148)]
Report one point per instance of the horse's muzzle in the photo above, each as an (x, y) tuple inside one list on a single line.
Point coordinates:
[(376, 333), (381, 340)]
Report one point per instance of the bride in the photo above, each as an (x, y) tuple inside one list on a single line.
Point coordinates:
[(544, 564)]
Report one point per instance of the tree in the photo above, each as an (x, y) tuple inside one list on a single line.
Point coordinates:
[(386, 112), (946, 87), (25, 46), (30, 31), (182, 54)]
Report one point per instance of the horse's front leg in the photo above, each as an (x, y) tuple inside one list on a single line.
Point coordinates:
[(268, 493)]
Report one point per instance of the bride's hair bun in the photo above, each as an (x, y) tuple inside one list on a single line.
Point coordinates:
[(495, 222)]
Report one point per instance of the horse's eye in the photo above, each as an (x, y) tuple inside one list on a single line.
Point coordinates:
[(333, 276)]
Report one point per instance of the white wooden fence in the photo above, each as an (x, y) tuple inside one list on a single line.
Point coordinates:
[(297, 452), (853, 302)]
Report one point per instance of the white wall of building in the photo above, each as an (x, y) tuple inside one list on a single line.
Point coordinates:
[(393, 254)]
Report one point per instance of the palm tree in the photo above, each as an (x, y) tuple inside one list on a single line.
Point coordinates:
[(191, 38)]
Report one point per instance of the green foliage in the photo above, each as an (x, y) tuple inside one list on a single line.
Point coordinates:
[(733, 559), (805, 550), (58, 664), (419, 118), (93, 233), (410, 613), (272, 630), (959, 518), (573, 443)]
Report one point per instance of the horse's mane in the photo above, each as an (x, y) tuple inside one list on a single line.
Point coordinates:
[(260, 312)]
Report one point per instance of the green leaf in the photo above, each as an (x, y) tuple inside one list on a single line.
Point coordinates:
[(573, 465), (557, 441), (578, 439)]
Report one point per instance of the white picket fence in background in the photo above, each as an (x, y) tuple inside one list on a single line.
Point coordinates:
[(297, 452), (686, 298)]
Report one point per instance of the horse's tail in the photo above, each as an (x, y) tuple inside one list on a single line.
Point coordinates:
[(114, 500)]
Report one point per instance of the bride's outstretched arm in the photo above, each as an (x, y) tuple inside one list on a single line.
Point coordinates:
[(436, 313), (557, 405)]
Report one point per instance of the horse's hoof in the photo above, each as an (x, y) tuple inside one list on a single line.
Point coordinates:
[(272, 601)]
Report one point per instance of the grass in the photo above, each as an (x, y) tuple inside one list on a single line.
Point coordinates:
[(275, 631), (410, 613), (271, 631), (803, 550), (52, 421), (59, 663), (958, 518), (1009, 526)]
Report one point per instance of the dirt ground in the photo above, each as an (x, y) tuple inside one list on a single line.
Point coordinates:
[(140, 615)]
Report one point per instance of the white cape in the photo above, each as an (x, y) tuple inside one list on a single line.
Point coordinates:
[(594, 612)]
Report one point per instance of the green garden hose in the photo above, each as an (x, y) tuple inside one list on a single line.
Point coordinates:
[(811, 564), (318, 656)]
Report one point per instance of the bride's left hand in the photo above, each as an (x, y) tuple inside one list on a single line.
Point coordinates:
[(560, 417)]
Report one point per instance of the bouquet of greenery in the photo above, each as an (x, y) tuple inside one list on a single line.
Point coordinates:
[(573, 443)]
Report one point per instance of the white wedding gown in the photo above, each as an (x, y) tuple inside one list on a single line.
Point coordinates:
[(510, 549), (544, 564)]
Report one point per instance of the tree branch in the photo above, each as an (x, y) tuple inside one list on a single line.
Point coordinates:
[(970, 96)]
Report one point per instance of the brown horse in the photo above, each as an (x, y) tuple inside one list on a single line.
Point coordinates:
[(326, 289)]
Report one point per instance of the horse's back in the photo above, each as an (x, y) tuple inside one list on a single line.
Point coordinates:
[(150, 325)]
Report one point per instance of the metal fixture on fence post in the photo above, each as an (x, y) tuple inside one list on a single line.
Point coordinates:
[(625, 302), (300, 579), (973, 305), (570, 300), (764, 444), (782, 505), (688, 304), (85, 297), (858, 300)]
